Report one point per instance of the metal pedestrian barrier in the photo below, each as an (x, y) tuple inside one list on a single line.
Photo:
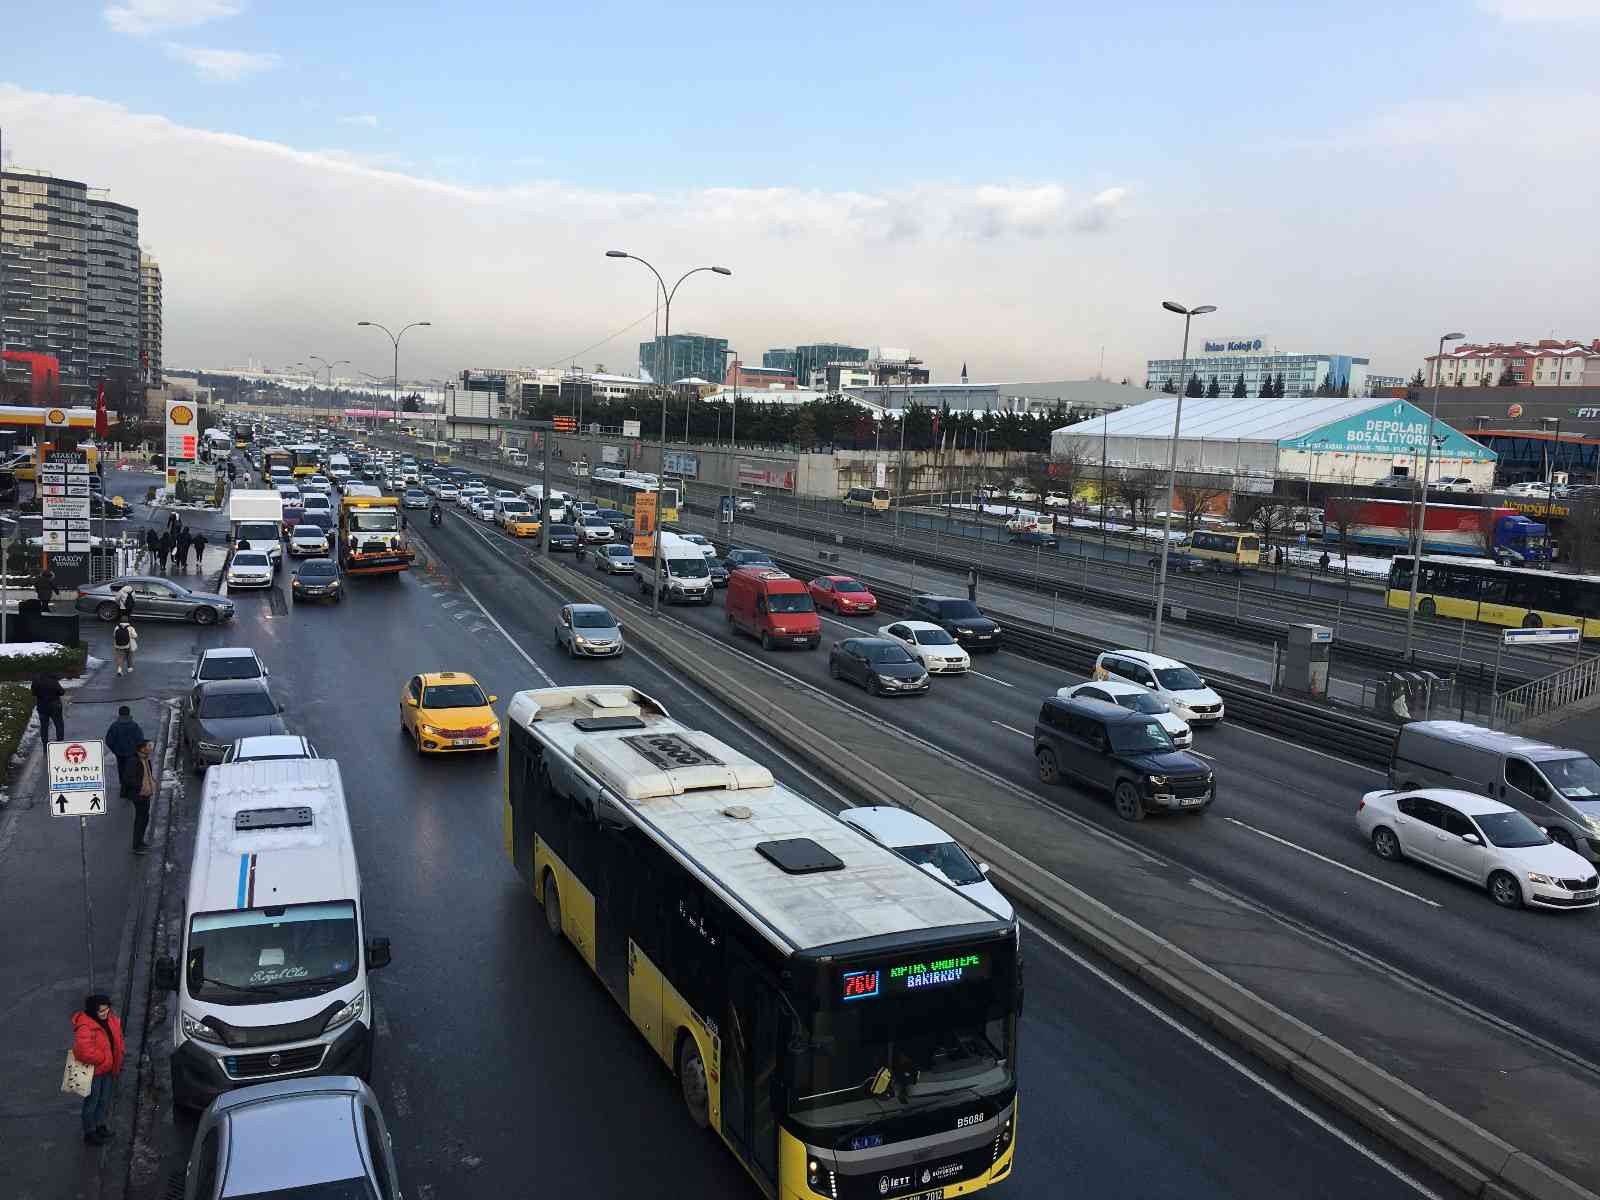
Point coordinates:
[(1547, 695)]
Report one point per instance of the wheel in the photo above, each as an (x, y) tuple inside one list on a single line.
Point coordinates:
[(552, 905), (1049, 769), (692, 1082), (205, 616), (1532, 621), (107, 611), (1385, 845), (1561, 837), (1130, 807), (1505, 889), (572, 649), (766, 640), (1427, 608), (874, 688)]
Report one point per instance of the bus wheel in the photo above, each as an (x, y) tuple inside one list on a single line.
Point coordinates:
[(1426, 607), (552, 904), (1532, 621), (692, 1082)]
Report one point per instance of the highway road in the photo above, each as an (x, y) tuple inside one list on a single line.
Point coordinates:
[(1281, 834)]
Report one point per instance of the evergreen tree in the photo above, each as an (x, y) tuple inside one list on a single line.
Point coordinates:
[(1238, 387), (1195, 387), (1213, 389), (1169, 387), (1278, 386)]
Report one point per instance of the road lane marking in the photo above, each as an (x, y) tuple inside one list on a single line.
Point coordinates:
[(1333, 862), (1012, 728), (1343, 762), (1241, 1068), (1199, 754), (526, 657), (990, 678)]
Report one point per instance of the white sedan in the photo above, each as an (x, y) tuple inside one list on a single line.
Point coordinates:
[(308, 541), (250, 568), (469, 498), (1132, 696), (483, 508), (923, 844), (1482, 841), (931, 646)]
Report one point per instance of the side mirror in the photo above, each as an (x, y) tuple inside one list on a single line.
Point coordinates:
[(983, 868), (280, 708), (493, 697), (378, 954), (1472, 839), (412, 701), (1150, 684), (165, 974)]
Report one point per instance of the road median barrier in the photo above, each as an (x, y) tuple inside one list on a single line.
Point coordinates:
[(1531, 1139)]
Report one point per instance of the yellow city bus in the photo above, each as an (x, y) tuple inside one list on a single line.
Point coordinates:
[(1466, 590), (844, 1021), (306, 459), (437, 452), (618, 492)]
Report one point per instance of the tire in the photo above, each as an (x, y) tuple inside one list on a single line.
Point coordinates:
[(1561, 838), (552, 905), (1533, 621), (1427, 608), (1130, 806), (1049, 769), (766, 640), (205, 616), (1504, 889), (1386, 845), (106, 611), (692, 1083), (873, 687)]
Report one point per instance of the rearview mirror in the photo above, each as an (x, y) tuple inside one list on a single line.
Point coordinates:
[(493, 697), (881, 1082), (1471, 839), (165, 974), (378, 953), (412, 701)]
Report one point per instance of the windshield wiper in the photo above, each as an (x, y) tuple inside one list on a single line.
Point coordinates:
[(240, 988)]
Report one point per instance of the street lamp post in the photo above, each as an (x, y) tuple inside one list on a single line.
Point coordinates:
[(1550, 492), (733, 449), (1420, 538), (1188, 314), (666, 323), (343, 362), (395, 338)]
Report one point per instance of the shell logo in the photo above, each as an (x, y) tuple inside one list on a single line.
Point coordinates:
[(181, 414), (1514, 411), (55, 417)]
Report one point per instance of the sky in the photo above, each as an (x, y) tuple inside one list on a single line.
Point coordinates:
[(1016, 187)]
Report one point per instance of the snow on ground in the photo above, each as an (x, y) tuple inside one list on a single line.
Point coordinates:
[(18, 649)]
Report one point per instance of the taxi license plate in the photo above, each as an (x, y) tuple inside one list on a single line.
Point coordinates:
[(463, 741)]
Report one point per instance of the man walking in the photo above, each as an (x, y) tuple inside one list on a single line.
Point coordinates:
[(124, 641), (152, 544), (48, 697), (44, 587), (181, 545), (143, 793), (123, 738), (199, 551), (164, 549)]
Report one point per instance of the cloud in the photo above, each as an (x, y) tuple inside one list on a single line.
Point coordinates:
[(1513, 122), (141, 17), (1544, 12), (364, 120), (221, 66)]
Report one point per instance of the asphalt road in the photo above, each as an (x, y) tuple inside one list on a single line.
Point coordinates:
[(501, 1059)]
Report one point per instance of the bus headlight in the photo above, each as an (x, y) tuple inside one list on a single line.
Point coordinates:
[(821, 1179)]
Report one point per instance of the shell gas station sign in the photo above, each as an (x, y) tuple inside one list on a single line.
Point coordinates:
[(183, 438)]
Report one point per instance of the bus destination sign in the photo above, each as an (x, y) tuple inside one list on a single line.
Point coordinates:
[(914, 976)]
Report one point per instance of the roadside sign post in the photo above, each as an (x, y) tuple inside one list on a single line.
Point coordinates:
[(77, 779)]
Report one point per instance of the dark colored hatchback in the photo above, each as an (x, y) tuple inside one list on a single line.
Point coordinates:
[(1126, 753), (960, 618)]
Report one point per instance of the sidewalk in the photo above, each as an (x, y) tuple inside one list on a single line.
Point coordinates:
[(44, 947)]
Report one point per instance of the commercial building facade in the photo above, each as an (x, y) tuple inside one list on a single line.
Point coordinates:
[(816, 356), (1546, 363), (1226, 359), (69, 278), (150, 320), (690, 354), (779, 359)]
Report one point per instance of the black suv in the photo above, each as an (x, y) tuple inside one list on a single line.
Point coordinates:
[(1122, 752), (959, 618)]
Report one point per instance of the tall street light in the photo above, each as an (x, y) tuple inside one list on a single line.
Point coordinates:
[(395, 338), (343, 362), (1555, 454), (666, 324), (1420, 537), (1188, 314)]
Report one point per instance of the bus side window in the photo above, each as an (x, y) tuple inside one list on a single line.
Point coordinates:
[(1492, 588), (553, 808), (644, 919), (1400, 576)]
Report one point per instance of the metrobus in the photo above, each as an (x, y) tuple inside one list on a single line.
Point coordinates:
[(306, 458), (619, 493), (438, 452), (1479, 590), (871, 499), (844, 1021)]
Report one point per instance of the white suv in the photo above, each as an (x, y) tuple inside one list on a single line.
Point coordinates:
[(1167, 678), (1139, 699)]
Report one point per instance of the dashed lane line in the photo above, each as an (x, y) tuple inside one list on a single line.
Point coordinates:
[(1332, 862)]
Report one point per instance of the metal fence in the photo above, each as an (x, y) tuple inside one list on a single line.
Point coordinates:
[(1544, 696)]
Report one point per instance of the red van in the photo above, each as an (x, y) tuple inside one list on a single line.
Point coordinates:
[(774, 607)]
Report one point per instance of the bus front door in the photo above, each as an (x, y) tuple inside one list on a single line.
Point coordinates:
[(750, 1065)]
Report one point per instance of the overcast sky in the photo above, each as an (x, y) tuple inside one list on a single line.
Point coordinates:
[(1016, 192)]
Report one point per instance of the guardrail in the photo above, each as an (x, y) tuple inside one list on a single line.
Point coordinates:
[(1544, 696)]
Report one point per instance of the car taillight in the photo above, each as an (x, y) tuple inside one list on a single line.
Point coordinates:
[(1361, 803)]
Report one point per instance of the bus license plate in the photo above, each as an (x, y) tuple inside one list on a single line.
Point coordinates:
[(936, 1194)]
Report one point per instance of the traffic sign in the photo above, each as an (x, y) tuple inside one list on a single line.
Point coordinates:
[(77, 778), (1541, 637), (727, 510)]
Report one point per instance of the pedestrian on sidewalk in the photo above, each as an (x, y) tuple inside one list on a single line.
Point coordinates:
[(44, 587), (125, 601), (164, 549), (152, 543), (97, 1042), (124, 641), (199, 551), (48, 697), (124, 736), (145, 773), (172, 523), (181, 544)]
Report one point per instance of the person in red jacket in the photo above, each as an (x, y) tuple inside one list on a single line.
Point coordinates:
[(97, 1041)]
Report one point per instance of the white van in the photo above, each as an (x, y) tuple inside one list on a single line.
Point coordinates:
[(275, 956), (687, 575)]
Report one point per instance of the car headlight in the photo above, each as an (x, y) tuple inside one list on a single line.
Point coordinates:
[(1156, 780), (348, 1013), (1547, 880), (494, 726), (1594, 823), (430, 730), (195, 1031), (580, 639), (889, 679)]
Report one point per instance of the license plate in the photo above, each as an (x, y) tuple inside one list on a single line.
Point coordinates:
[(1192, 801), (463, 741), (936, 1194), (799, 641), (1588, 895)]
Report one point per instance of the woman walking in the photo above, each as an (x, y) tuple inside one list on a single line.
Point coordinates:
[(97, 1042), (124, 641)]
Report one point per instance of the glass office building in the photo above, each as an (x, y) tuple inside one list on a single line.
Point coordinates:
[(1226, 359), (693, 355), (779, 359)]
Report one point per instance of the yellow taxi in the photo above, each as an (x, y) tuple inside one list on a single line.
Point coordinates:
[(520, 522), (445, 711)]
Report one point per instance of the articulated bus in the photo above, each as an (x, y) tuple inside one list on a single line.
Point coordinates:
[(846, 1022), (1469, 590), (619, 493), (306, 459), (437, 452)]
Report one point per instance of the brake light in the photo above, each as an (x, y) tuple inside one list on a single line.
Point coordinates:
[(1361, 803)]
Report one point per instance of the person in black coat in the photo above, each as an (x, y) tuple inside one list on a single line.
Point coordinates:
[(199, 545), (164, 550), (152, 543), (44, 586), (123, 739), (181, 545), (48, 698)]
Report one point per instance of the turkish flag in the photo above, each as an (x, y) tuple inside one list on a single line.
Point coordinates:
[(102, 424)]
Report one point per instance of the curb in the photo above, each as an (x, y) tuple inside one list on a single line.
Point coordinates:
[(1472, 1157)]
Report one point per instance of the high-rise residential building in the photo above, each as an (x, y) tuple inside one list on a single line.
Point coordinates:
[(691, 356), (779, 359), (150, 320), (69, 278), (817, 356)]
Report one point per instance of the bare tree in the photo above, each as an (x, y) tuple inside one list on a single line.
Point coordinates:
[(1268, 515), (1343, 508), (1137, 489), (1197, 491)]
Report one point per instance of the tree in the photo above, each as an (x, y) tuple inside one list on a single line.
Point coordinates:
[(805, 429), (1238, 387), (1268, 515), (1213, 389), (1169, 387), (1343, 507), (1325, 388), (1506, 379), (1266, 387), (1195, 387), (1136, 488), (1414, 386), (1196, 492), (1277, 386)]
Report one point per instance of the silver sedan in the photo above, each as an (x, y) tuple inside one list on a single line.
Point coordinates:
[(588, 631)]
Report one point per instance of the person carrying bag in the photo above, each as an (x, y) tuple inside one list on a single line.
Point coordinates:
[(97, 1044)]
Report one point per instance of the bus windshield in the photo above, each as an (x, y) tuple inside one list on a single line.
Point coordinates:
[(941, 1021), (305, 456)]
